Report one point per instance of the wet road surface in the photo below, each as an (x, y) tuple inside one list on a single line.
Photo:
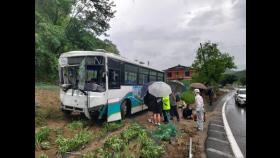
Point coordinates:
[(236, 117)]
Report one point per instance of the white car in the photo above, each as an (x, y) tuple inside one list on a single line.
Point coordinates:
[(240, 96)]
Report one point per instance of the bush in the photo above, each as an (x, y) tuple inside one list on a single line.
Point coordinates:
[(188, 97)]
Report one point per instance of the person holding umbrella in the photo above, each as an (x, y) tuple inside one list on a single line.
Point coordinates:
[(161, 91), (199, 109), (157, 110)]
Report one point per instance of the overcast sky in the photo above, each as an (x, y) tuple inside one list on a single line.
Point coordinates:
[(168, 32)]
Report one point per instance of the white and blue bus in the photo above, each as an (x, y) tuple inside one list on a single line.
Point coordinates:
[(100, 85)]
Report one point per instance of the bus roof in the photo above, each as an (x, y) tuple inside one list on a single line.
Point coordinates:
[(105, 54)]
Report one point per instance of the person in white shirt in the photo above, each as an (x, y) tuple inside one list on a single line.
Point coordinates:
[(199, 109)]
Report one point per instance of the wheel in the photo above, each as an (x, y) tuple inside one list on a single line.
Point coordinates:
[(125, 109)]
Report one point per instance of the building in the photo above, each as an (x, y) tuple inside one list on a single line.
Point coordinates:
[(179, 72)]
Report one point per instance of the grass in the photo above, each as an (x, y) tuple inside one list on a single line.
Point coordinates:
[(42, 114), (46, 86), (41, 135), (76, 125), (72, 144)]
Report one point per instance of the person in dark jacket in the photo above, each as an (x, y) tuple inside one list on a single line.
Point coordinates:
[(173, 110), (210, 94), (150, 100), (188, 113), (157, 110)]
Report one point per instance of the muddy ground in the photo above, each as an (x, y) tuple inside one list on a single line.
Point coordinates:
[(48, 100)]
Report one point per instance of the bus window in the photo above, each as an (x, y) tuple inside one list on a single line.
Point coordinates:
[(153, 76), (143, 76), (130, 75), (160, 76), (130, 78), (114, 79)]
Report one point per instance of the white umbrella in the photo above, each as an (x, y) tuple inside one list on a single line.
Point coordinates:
[(159, 89)]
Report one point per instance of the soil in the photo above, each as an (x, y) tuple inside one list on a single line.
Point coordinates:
[(177, 148), (47, 98)]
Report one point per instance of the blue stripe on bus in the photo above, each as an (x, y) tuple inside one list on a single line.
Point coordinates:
[(134, 101), (116, 106)]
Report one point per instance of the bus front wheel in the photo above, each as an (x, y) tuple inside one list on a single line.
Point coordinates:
[(125, 109)]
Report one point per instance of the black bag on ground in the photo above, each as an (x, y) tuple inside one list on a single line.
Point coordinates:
[(187, 113)]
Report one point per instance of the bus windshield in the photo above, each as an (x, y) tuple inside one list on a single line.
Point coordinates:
[(93, 76)]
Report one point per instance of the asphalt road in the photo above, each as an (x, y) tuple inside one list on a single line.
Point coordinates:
[(236, 117)]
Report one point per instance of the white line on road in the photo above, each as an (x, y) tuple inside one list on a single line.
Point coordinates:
[(218, 140), (219, 152), (235, 148)]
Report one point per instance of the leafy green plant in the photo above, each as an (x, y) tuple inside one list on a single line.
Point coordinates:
[(41, 135), (165, 132), (45, 145), (75, 125), (71, 144), (43, 156), (118, 145), (152, 151), (112, 126), (98, 153), (115, 143)]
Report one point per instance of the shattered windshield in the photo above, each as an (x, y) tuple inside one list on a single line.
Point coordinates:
[(89, 75)]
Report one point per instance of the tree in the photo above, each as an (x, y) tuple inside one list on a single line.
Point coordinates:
[(243, 81), (94, 15), (210, 63), (65, 25), (228, 79)]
